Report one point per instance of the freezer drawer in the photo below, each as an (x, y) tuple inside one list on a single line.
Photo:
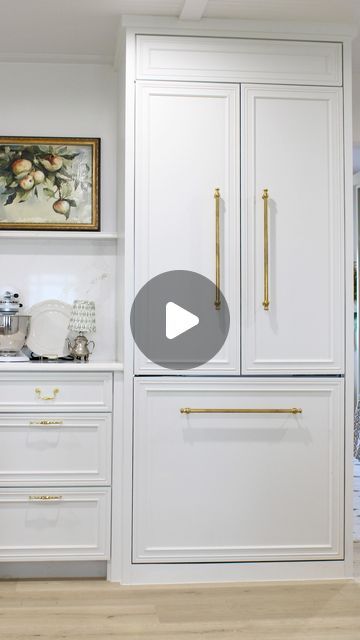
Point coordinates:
[(243, 481)]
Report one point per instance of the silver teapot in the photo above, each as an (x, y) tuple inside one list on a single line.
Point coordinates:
[(79, 348)]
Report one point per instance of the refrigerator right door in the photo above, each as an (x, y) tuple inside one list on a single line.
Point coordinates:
[(292, 230)]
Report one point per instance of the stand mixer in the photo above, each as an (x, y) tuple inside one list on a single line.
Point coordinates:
[(14, 328)]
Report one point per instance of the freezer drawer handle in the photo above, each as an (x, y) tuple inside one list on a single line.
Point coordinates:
[(293, 410)]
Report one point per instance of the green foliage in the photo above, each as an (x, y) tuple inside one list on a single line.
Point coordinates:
[(69, 156), (49, 192), (10, 198), (25, 195)]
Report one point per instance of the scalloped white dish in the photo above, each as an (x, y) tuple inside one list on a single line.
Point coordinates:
[(49, 328)]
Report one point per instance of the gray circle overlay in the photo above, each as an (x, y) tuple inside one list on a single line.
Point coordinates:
[(194, 293)]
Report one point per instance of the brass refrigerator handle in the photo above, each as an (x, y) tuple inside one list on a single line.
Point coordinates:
[(293, 410), (217, 248), (266, 301)]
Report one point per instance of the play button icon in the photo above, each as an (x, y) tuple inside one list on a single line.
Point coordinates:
[(178, 320), (175, 322)]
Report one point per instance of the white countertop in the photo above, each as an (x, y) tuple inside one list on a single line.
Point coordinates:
[(31, 367)]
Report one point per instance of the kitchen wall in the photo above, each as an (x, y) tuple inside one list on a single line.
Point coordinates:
[(40, 99)]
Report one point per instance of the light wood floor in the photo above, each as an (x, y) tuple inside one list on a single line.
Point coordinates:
[(97, 610)]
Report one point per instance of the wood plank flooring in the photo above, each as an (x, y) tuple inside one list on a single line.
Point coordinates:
[(97, 610)]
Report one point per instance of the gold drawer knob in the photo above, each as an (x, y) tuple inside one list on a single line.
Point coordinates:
[(55, 391)]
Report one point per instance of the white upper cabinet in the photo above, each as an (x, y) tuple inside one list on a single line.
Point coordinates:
[(238, 60), (292, 146), (187, 145), (188, 139)]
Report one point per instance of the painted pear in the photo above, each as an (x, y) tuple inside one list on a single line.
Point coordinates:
[(21, 165), (52, 163), (38, 175), (27, 183), (62, 206)]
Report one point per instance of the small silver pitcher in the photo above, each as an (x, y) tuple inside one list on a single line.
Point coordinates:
[(79, 348)]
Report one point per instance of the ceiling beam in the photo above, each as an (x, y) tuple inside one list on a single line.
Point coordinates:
[(193, 9)]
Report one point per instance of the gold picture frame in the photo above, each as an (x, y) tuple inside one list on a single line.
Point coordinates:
[(49, 184)]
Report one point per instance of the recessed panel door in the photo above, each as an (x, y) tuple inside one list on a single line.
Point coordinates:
[(230, 470), (187, 146), (292, 230)]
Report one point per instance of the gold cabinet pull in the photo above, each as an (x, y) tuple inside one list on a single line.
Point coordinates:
[(44, 498), (38, 392), (47, 423), (266, 301), (188, 410), (217, 249)]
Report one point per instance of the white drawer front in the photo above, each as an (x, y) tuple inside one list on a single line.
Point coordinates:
[(67, 525), (238, 60), (238, 487), (57, 450), (56, 392)]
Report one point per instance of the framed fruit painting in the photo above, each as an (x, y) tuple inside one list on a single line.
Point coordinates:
[(50, 183)]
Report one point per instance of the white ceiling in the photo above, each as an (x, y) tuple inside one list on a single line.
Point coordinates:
[(89, 27)]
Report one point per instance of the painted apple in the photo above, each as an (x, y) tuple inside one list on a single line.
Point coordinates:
[(52, 163), (39, 176), (21, 165), (62, 206), (27, 183)]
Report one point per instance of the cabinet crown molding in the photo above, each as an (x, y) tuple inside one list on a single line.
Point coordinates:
[(241, 28), (131, 25)]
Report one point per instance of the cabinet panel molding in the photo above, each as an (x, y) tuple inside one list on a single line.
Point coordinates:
[(55, 465), (238, 60), (187, 145), (55, 450), (55, 391), (292, 141), (204, 484), (55, 524)]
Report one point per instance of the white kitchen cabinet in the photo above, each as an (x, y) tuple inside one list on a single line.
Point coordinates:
[(61, 524), (55, 391), (224, 494), (233, 59), (62, 449), (292, 146), (258, 485), (55, 465), (187, 145)]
